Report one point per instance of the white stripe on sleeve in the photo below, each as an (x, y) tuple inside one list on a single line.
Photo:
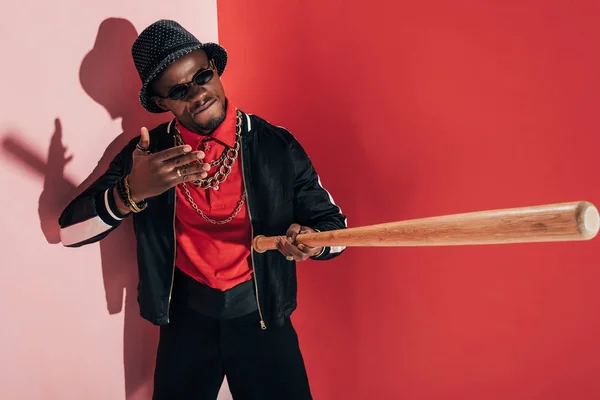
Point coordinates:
[(333, 249), (110, 211), (83, 231)]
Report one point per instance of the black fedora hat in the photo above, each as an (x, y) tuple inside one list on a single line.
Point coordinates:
[(162, 43)]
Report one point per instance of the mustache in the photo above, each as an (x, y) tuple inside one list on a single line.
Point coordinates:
[(197, 106)]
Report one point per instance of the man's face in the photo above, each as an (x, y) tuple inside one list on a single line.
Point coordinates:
[(202, 107)]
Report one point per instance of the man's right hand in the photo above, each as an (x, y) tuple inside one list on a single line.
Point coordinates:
[(153, 174)]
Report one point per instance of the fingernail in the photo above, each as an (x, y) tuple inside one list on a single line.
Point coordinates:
[(187, 148), (200, 155)]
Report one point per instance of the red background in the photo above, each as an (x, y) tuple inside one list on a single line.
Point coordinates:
[(428, 108)]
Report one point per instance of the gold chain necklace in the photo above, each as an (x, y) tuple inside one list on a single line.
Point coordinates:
[(225, 162), (204, 183), (206, 217)]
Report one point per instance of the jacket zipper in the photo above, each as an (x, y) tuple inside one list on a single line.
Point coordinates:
[(174, 250), (263, 325), (174, 258)]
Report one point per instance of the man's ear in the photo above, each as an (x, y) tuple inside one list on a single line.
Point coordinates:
[(160, 102)]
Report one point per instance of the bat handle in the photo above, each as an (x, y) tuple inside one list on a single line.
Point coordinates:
[(262, 243)]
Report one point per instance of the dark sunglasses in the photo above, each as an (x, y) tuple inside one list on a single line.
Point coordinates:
[(202, 77)]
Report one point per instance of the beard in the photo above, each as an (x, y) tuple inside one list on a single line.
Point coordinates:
[(212, 124)]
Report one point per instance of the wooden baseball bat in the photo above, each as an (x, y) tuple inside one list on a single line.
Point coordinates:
[(572, 221)]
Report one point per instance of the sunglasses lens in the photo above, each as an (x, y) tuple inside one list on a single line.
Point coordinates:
[(178, 92), (204, 77)]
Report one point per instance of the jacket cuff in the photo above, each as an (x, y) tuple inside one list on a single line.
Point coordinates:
[(107, 209)]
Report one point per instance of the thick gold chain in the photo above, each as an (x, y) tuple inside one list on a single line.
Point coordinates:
[(227, 159), (225, 162), (206, 217)]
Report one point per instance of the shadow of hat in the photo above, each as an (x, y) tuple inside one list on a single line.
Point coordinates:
[(107, 73)]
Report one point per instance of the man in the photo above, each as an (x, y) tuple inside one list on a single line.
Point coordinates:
[(199, 188)]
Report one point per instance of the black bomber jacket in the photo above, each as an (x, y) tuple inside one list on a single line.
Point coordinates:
[(282, 188)]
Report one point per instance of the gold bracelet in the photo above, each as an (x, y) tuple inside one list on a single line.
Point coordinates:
[(133, 206)]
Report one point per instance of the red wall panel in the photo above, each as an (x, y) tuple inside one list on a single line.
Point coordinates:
[(427, 108)]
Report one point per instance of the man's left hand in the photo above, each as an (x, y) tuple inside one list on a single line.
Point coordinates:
[(291, 250)]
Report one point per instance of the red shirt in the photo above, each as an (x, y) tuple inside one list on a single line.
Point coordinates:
[(215, 255)]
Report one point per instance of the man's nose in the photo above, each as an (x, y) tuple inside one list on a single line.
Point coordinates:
[(197, 92)]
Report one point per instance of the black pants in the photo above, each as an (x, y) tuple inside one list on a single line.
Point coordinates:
[(196, 351)]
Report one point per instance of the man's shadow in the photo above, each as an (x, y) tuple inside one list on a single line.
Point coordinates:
[(109, 77)]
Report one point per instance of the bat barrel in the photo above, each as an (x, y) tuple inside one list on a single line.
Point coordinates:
[(547, 223)]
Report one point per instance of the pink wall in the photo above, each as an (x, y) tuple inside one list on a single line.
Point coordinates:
[(421, 108), (71, 328)]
